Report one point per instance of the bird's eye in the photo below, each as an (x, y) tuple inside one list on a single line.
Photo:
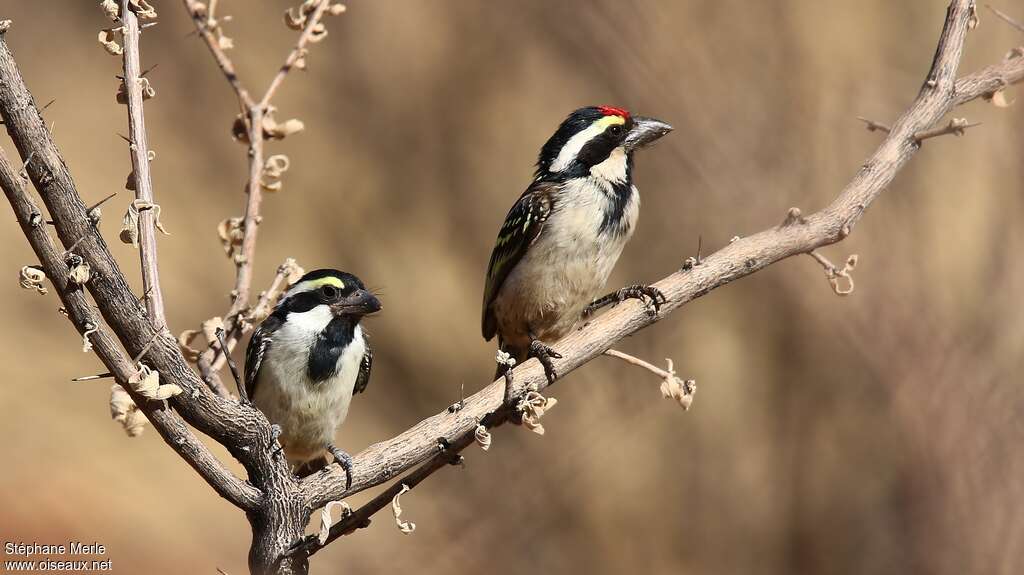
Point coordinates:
[(329, 292), (615, 130)]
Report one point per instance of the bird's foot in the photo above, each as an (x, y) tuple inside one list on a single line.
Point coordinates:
[(544, 355), (345, 461), (649, 295), (275, 433)]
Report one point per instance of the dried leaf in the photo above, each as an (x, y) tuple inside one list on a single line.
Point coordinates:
[(79, 270), (124, 411), (106, 38), (405, 527), (32, 278), (184, 339), (146, 382), (210, 327), (676, 389), (86, 343), (482, 437), (111, 9), (998, 99), (143, 9), (325, 518), (336, 9), (231, 233), (532, 407), (129, 233)]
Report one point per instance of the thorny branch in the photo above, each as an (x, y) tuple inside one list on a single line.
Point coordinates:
[(140, 180), (277, 504), (254, 127)]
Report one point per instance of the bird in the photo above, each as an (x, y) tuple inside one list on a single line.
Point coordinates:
[(562, 237), (306, 360)]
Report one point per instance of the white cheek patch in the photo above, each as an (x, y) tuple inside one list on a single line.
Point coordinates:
[(614, 168), (572, 148), (314, 320)]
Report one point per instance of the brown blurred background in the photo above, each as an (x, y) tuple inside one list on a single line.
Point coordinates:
[(879, 433)]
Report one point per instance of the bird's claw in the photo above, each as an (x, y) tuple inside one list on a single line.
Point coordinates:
[(651, 296), (275, 433), (345, 461), (544, 355)]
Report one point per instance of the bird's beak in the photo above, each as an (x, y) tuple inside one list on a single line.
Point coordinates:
[(358, 303), (644, 132)]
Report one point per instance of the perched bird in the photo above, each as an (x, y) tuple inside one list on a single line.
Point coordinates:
[(563, 236), (307, 359)]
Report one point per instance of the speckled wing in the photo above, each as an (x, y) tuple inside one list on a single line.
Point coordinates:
[(522, 226), (363, 379), (257, 350)]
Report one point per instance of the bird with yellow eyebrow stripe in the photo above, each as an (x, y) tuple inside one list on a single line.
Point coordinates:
[(306, 361), (561, 239)]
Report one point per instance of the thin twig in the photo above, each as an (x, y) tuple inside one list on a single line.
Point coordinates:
[(1006, 18), (245, 101), (872, 125), (140, 165), (956, 126), (312, 21)]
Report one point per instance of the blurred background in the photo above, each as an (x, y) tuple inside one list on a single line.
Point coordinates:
[(878, 433)]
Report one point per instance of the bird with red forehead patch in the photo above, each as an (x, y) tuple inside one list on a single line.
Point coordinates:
[(562, 237)]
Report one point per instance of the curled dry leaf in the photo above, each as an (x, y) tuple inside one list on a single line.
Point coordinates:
[(325, 518), (86, 343), (405, 527), (129, 233), (275, 131), (504, 358), (532, 407), (106, 38), (210, 327), (5, 25), (482, 437), (111, 9), (274, 167), (184, 339), (147, 383), (676, 389), (998, 99), (231, 233), (124, 411), (143, 9), (32, 277), (337, 9), (79, 270)]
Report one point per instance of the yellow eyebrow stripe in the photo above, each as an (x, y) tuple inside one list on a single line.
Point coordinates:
[(609, 121), (329, 280)]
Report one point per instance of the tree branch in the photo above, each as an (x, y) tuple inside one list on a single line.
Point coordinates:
[(170, 427), (939, 94), (140, 166)]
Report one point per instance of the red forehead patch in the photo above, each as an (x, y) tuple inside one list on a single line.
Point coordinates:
[(613, 111)]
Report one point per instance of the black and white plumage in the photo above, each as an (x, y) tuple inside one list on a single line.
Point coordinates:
[(561, 239), (308, 358)]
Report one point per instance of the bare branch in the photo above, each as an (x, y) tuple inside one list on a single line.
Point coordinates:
[(202, 23), (1006, 17), (170, 427), (833, 274), (139, 148), (873, 126), (672, 386), (313, 27), (941, 92), (956, 126)]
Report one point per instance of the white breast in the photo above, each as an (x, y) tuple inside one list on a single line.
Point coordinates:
[(308, 413), (568, 265)]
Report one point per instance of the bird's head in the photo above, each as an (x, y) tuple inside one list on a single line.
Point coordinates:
[(341, 293), (597, 141)]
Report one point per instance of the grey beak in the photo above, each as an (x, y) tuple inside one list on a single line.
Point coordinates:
[(360, 302), (645, 131)]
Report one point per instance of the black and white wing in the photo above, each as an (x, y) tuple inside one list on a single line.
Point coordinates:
[(257, 350), (523, 224), (363, 379)]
